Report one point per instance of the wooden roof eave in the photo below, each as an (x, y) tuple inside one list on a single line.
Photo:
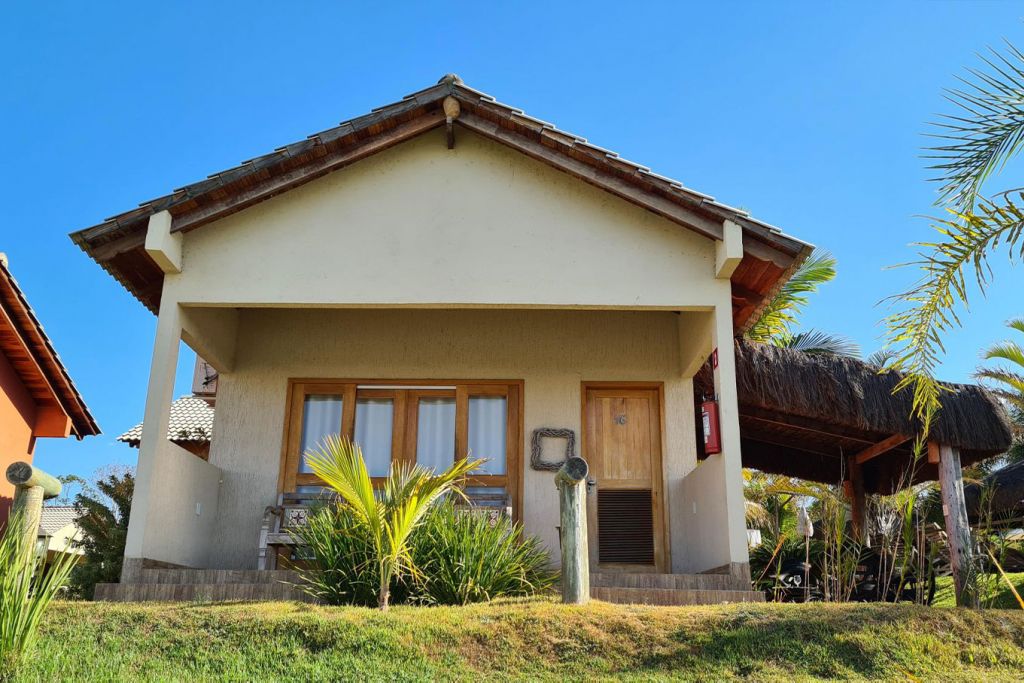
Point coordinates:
[(46, 368)]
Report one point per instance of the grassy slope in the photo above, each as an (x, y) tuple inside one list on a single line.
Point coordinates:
[(525, 640), (944, 596)]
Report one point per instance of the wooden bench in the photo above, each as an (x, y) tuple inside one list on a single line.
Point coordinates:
[(280, 522)]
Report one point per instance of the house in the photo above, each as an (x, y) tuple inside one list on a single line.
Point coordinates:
[(38, 399), (448, 276), (189, 426), (59, 532)]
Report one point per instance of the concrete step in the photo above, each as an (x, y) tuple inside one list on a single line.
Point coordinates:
[(218, 576), (701, 582), (198, 592), (672, 596)]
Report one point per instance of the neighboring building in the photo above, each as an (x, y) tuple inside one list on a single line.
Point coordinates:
[(189, 425), (444, 276), (37, 397), (59, 533)]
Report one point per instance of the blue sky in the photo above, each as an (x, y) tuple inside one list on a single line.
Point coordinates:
[(809, 115)]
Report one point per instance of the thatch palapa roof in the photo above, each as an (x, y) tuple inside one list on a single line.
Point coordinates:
[(804, 414), (1006, 502)]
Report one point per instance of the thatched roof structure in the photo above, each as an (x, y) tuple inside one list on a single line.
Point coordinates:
[(1007, 500), (804, 414)]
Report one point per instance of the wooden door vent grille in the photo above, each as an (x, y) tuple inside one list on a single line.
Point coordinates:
[(625, 526)]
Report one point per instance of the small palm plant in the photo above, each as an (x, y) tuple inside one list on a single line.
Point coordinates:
[(1008, 379), (26, 590), (388, 515)]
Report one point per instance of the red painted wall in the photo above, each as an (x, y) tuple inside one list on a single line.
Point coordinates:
[(17, 420)]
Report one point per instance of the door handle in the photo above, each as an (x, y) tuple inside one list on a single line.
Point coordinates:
[(591, 485)]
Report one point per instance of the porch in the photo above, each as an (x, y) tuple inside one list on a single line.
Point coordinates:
[(409, 384)]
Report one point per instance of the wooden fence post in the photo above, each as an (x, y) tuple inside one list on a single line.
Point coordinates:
[(31, 486), (572, 499), (958, 529)]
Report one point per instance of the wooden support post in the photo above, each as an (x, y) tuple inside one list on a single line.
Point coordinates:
[(958, 530), (855, 492), (31, 486), (572, 499)]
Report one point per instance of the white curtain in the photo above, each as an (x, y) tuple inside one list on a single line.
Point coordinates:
[(374, 417), (435, 433), (321, 415), (488, 419)]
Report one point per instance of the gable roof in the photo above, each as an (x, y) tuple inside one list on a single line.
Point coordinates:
[(56, 517), (191, 420), (30, 352), (117, 244)]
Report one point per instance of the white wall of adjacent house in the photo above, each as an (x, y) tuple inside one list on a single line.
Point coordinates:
[(329, 279)]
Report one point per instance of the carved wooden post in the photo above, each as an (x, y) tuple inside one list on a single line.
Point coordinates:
[(958, 530), (572, 499), (31, 486)]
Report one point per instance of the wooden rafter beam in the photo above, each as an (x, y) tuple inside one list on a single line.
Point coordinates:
[(883, 446), (801, 424)]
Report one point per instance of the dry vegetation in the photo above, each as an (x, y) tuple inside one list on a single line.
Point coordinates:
[(525, 640)]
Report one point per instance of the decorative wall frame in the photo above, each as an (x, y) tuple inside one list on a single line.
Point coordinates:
[(536, 447)]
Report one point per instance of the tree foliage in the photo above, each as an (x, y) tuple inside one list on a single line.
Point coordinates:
[(103, 511)]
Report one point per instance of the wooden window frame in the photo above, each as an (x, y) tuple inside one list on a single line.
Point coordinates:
[(406, 395)]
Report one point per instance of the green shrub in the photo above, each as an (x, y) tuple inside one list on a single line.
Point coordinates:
[(465, 557), (344, 567), (457, 558)]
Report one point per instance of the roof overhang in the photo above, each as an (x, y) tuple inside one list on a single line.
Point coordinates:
[(118, 244), (60, 408)]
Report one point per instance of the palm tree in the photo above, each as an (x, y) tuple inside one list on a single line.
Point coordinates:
[(1009, 386), (780, 314), (985, 131), (391, 513), (1009, 380), (816, 341), (775, 325)]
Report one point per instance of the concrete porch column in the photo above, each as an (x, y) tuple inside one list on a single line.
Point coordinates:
[(154, 431), (730, 457)]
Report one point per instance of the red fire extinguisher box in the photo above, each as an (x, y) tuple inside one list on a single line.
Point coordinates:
[(712, 433)]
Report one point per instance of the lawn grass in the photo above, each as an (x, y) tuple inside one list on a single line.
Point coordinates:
[(1002, 596), (524, 640)]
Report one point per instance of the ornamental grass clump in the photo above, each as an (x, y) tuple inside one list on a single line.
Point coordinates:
[(26, 590), (465, 556)]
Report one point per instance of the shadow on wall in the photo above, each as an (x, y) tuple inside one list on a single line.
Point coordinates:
[(5, 511)]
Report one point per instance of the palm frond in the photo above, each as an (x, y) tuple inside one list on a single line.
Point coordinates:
[(816, 341), (930, 308), (1009, 351), (986, 131), (781, 312), (880, 359)]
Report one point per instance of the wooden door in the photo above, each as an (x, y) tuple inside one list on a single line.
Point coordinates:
[(622, 445)]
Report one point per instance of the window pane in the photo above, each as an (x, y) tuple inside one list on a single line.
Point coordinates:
[(373, 433), (488, 420), (321, 416), (435, 433)]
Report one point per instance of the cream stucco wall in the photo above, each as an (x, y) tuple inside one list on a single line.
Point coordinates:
[(552, 351), (421, 225)]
